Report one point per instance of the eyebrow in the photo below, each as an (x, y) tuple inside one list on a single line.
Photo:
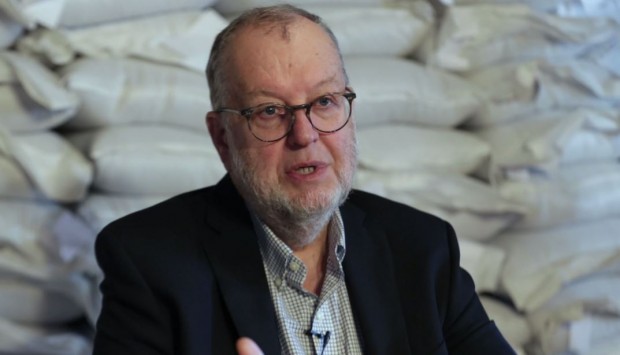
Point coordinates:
[(261, 92)]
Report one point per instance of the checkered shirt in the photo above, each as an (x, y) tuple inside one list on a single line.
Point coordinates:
[(309, 324)]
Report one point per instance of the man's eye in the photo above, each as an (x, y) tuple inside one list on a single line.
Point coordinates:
[(270, 111), (325, 101)]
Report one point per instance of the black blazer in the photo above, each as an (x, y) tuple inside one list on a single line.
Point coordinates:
[(186, 277)]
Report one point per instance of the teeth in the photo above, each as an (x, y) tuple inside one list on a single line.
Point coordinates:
[(306, 170)]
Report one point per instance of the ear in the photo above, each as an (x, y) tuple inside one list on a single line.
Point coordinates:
[(218, 136)]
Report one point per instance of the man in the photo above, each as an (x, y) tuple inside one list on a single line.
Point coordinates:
[(280, 255)]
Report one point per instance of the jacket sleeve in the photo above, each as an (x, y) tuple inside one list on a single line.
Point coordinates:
[(467, 328), (132, 320)]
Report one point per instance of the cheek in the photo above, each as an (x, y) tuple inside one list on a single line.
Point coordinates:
[(241, 137), (344, 148), (270, 161), (264, 162)]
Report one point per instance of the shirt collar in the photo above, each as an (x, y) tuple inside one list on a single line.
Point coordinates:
[(277, 255)]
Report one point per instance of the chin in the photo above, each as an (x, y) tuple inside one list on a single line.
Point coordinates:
[(317, 202), (273, 200)]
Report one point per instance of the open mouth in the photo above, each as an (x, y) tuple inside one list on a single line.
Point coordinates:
[(306, 170)]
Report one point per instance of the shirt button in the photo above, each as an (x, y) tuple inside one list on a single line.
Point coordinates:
[(293, 266), (318, 316), (278, 281)]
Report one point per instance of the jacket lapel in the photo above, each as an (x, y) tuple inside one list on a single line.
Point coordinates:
[(237, 264), (371, 286)]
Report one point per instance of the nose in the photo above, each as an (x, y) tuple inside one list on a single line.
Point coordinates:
[(302, 133)]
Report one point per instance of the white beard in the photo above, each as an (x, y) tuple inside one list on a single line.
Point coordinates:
[(296, 220)]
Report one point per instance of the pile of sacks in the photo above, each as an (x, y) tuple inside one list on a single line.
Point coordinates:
[(502, 119), (549, 77)]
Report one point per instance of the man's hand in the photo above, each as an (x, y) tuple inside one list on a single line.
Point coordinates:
[(247, 346)]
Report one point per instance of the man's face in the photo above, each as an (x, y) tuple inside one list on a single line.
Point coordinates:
[(306, 173)]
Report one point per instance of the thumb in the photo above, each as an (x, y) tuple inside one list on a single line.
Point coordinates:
[(247, 346)]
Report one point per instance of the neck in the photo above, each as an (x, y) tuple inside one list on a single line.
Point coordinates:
[(309, 243), (297, 230), (314, 257)]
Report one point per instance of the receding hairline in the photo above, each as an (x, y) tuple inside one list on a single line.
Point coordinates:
[(268, 28), (270, 19), (272, 22)]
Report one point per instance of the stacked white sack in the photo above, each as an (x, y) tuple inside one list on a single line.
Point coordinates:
[(583, 316), (474, 37), (515, 91), (149, 160), (576, 193), (118, 91), (539, 262), (42, 286), (31, 96), (395, 90), (575, 8), (44, 165), (179, 38), (542, 143), (10, 30), (551, 107), (76, 13), (544, 267), (404, 148)]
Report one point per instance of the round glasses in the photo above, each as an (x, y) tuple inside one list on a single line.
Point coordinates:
[(270, 122)]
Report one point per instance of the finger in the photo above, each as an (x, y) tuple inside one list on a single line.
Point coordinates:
[(247, 346)]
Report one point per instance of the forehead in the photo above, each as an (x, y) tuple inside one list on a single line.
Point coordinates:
[(274, 57)]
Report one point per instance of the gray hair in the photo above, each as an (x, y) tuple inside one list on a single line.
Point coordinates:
[(277, 17)]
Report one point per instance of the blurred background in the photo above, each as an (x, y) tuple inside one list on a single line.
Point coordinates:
[(500, 116)]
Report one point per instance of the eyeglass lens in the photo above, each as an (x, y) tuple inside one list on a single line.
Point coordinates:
[(327, 114)]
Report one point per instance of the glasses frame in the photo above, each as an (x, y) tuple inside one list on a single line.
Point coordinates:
[(247, 113)]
